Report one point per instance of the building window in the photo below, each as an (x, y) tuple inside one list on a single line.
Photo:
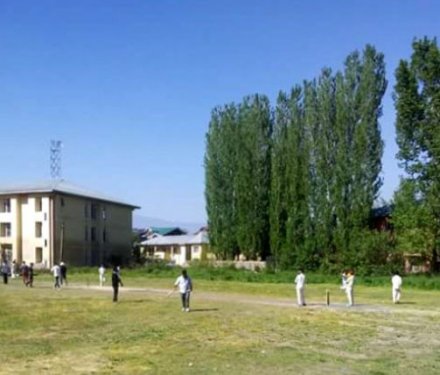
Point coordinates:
[(93, 234), (5, 230), (94, 211), (5, 205), (38, 204), (45, 216), (86, 233), (38, 255), (38, 229), (45, 243), (104, 213), (104, 235), (62, 202), (86, 210), (196, 249)]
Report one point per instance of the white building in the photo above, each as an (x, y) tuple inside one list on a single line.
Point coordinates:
[(53, 221)]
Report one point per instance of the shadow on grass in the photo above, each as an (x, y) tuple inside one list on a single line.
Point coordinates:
[(145, 300), (406, 303), (203, 310)]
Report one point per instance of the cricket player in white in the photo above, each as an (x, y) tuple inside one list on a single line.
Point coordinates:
[(349, 288), (101, 271), (300, 281), (396, 280)]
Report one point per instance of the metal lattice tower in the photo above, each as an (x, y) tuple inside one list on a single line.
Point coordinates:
[(55, 159)]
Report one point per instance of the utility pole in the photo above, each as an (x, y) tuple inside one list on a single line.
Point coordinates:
[(55, 159)]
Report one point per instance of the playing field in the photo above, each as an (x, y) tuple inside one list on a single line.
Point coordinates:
[(233, 328)]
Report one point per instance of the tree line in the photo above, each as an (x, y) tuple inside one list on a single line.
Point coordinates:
[(296, 183)]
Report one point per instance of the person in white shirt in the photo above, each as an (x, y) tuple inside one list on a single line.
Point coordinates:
[(101, 272), (56, 270), (300, 281), (184, 283), (396, 281), (349, 285), (344, 280)]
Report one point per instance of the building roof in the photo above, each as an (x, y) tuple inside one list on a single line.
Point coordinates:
[(167, 231), (187, 239), (62, 187), (383, 211)]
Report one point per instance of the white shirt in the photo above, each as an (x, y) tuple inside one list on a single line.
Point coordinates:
[(185, 285), (300, 280), (396, 280), (101, 271), (350, 281), (56, 270)]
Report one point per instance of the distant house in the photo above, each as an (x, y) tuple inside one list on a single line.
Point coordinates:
[(57, 220), (179, 249), (161, 231)]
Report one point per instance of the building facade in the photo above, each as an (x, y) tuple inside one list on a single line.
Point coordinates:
[(58, 221)]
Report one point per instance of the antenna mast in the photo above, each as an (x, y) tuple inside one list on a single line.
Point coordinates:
[(55, 159)]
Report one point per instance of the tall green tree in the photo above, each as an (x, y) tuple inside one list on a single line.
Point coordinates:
[(412, 221), (417, 101), (324, 144), (279, 189), (359, 91), (252, 176), (220, 167), (298, 183)]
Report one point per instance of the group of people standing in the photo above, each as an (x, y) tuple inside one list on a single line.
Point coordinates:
[(26, 272), (347, 286)]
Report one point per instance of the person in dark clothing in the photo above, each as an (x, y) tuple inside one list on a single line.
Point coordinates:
[(5, 271), (63, 269), (24, 269), (30, 281), (116, 280)]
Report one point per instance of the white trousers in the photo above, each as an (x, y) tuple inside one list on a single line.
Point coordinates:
[(396, 295), (300, 296), (101, 280), (350, 295)]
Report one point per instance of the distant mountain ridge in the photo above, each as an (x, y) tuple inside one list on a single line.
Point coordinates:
[(142, 222)]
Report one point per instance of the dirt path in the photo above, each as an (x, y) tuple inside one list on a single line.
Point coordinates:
[(244, 299)]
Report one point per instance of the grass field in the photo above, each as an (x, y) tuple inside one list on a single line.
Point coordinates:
[(233, 328)]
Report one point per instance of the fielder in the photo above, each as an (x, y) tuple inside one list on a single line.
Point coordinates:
[(300, 281), (349, 285), (185, 287), (396, 281)]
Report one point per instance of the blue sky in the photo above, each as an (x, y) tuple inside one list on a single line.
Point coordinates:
[(128, 85)]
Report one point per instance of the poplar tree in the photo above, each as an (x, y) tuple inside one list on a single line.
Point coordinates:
[(359, 92), (417, 101), (297, 225), (220, 165), (279, 188), (325, 144), (252, 176)]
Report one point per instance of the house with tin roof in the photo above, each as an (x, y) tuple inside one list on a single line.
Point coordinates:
[(178, 249), (152, 232), (49, 222)]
